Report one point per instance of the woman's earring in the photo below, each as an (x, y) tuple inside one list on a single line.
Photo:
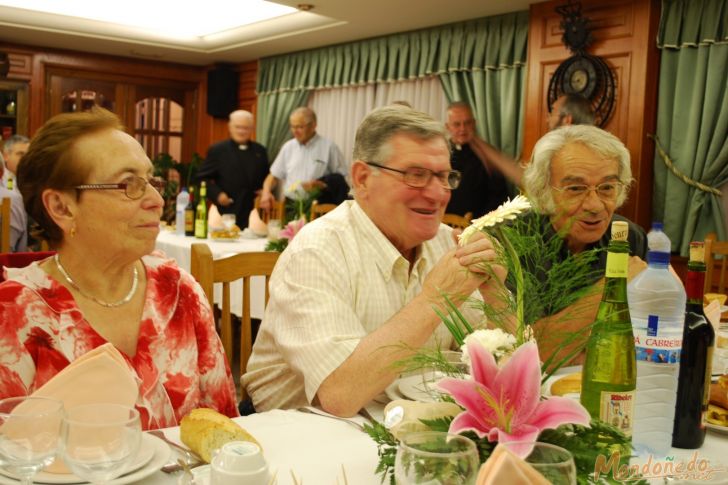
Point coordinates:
[(73, 230)]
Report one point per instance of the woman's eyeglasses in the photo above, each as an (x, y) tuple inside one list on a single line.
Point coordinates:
[(134, 187), (418, 177)]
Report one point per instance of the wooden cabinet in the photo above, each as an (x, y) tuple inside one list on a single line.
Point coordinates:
[(13, 109)]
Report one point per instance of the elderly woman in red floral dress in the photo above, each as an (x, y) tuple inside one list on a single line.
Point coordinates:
[(89, 186)]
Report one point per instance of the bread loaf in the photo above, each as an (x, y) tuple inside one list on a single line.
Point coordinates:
[(568, 384), (205, 430)]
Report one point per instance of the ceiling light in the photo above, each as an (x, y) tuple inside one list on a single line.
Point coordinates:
[(176, 19)]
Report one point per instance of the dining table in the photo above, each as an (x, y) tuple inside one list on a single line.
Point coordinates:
[(179, 248)]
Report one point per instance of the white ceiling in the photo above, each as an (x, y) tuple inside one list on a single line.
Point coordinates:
[(329, 22)]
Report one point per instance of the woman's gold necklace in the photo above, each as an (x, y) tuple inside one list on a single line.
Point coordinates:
[(126, 299)]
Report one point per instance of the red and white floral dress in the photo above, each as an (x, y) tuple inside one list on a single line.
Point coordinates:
[(179, 359)]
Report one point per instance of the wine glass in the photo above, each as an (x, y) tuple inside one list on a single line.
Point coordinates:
[(100, 441), (551, 461), (436, 457), (228, 221), (29, 433)]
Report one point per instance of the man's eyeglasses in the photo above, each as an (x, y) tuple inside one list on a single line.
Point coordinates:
[(606, 191), (419, 177), (134, 187)]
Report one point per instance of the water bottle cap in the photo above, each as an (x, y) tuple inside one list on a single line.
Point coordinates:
[(657, 226), (658, 257)]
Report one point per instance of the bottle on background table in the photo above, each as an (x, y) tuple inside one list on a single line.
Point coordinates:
[(657, 307), (183, 199), (201, 214), (609, 375), (190, 214), (695, 360)]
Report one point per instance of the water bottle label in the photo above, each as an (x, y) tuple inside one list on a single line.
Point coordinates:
[(656, 349), (652, 322), (617, 409)]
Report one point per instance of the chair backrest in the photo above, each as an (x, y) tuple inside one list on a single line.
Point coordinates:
[(317, 210), (20, 260), (243, 266), (278, 210), (457, 221), (5, 226), (714, 248)]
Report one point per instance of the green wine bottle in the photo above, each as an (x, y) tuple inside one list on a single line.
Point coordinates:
[(609, 377), (201, 214)]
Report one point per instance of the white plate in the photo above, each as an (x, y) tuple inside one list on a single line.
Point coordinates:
[(419, 388), (717, 428), (392, 391), (224, 239), (152, 456)]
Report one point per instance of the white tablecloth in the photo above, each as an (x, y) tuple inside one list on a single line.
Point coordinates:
[(178, 248)]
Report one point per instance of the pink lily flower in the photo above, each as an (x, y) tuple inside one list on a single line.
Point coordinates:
[(505, 404), (292, 229)]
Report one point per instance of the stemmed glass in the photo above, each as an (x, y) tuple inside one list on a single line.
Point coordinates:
[(29, 433), (228, 220), (551, 461), (436, 457), (100, 440)]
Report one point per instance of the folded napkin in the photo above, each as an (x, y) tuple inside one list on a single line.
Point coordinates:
[(403, 416), (99, 376), (504, 466), (712, 313), (256, 224)]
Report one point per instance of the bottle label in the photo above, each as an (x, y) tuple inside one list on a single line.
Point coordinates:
[(617, 409), (189, 221), (617, 264), (200, 229), (651, 347)]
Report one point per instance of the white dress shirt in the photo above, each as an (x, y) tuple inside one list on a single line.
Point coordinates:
[(338, 281), (298, 163)]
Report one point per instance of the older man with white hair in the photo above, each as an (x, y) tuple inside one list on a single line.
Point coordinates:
[(578, 176), (235, 169), (360, 288)]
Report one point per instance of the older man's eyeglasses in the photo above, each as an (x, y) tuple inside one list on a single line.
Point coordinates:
[(134, 187), (606, 191), (418, 177)]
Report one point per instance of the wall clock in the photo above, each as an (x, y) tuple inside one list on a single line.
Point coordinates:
[(583, 74)]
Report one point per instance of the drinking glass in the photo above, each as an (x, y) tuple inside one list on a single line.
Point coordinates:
[(435, 457), (228, 220), (100, 440), (30, 428), (551, 461), (274, 229)]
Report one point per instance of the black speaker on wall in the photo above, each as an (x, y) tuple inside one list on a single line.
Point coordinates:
[(222, 91)]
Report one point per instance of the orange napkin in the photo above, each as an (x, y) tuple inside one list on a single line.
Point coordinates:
[(99, 376), (256, 224), (504, 466)]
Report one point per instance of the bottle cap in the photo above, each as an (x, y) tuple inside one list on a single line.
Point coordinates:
[(620, 229), (697, 251), (657, 226)]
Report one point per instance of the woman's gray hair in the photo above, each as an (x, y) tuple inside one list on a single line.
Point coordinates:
[(537, 176), (380, 125)]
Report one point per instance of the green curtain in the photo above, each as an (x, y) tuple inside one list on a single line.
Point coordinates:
[(692, 119), (491, 49), (485, 67)]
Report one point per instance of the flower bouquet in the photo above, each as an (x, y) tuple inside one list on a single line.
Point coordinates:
[(500, 397)]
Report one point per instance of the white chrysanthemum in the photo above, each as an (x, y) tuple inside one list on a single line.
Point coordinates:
[(507, 211), (494, 340), (296, 191)]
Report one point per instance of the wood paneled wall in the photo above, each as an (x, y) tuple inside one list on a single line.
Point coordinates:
[(624, 34), (32, 65)]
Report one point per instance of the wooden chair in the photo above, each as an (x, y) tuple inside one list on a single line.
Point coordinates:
[(226, 270), (277, 212), (5, 226), (714, 248), (317, 210), (457, 221)]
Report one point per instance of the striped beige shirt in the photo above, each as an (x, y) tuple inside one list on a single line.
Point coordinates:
[(339, 280)]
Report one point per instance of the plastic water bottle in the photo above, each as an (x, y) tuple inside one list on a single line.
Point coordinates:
[(183, 198), (657, 307)]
